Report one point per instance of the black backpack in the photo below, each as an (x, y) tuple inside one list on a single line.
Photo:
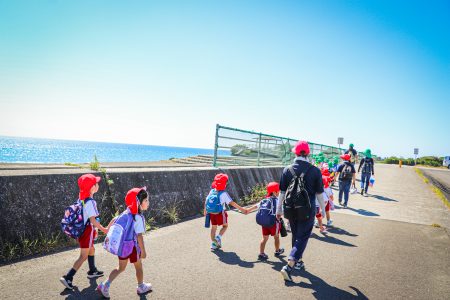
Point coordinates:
[(367, 167), (296, 205), (346, 173)]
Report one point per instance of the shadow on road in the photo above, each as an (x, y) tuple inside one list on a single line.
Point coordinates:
[(87, 293), (322, 290), (383, 198), (336, 230), (231, 258), (360, 211), (331, 240)]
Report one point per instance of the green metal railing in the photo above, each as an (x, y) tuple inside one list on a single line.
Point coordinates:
[(250, 148)]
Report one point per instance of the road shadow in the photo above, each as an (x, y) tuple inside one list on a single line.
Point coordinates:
[(276, 265), (378, 197), (323, 290), (337, 230), (359, 211), (331, 239), (87, 293), (231, 258)]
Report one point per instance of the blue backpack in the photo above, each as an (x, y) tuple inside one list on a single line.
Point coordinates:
[(120, 239), (72, 224), (266, 213), (213, 204)]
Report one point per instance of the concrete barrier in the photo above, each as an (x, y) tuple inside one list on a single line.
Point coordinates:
[(32, 206)]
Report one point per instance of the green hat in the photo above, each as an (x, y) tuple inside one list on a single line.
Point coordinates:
[(368, 153), (351, 145)]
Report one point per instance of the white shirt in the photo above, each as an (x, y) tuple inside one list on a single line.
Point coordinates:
[(225, 198), (328, 191), (139, 224), (89, 210)]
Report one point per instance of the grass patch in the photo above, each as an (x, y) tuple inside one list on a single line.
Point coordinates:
[(436, 191), (26, 247), (436, 225), (171, 213), (257, 194), (73, 165)]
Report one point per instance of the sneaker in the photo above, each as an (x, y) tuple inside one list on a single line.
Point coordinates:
[(340, 202), (94, 274), (362, 191), (329, 222), (316, 224), (263, 256), (300, 265), (365, 194), (66, 282), (345, 205), (279, 252), (323, 230), (144, 288), (219, 241), (103, 290), (214, 246), (286, 273)]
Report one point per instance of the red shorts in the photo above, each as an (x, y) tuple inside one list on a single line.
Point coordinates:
[(318, 212), (274, 230), (133, 257), (219, 219), (86, 240)]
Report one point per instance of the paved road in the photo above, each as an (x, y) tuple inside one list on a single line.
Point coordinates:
[(373, 252)]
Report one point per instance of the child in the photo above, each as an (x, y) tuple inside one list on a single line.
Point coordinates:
[(137, 202), (88, 185), (328, 195), (214, 206), (273, 190)]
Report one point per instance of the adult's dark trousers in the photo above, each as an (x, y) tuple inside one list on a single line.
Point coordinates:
[(301, 231), (344, 189), (365, 178)]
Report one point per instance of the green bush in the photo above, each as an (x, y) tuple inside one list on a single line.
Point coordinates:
[(425, 161)]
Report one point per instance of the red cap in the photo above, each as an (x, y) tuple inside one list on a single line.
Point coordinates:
[(132, 201), (345, 157), (301, 146), (220, 181), (85, 183), (325, 172), (272, 187), (326, 181)]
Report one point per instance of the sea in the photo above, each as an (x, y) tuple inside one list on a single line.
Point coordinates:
[(37, 150)]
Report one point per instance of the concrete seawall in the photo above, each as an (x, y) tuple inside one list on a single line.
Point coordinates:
[(31, 206)]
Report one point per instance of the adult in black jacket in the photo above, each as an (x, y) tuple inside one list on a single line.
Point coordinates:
[(301, 230), (367, 166), (346, 175)]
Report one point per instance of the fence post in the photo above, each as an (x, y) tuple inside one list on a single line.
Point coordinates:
[(216, 145), (259, 147)]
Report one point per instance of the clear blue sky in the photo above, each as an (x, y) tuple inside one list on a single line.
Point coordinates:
[(165, 72)]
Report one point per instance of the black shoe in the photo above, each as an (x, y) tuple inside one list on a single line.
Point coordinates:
[(67, 282), (286, 273), (300, 265), (263, 256), (94, 274), (362, 192), (279, 252), (340, 202)]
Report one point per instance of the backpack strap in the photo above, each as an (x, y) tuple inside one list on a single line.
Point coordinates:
[(291, 169)]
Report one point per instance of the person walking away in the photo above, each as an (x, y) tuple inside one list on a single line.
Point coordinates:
[(353, 154), (346, 176), (300, 185), (367, 166)]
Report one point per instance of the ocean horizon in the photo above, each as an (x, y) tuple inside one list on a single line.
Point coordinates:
[(42, 150)]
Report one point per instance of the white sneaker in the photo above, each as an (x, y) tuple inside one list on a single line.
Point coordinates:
[(329, 222), (103, 290), (144, 288), (219, 241), (214, 246), (316, 224)]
